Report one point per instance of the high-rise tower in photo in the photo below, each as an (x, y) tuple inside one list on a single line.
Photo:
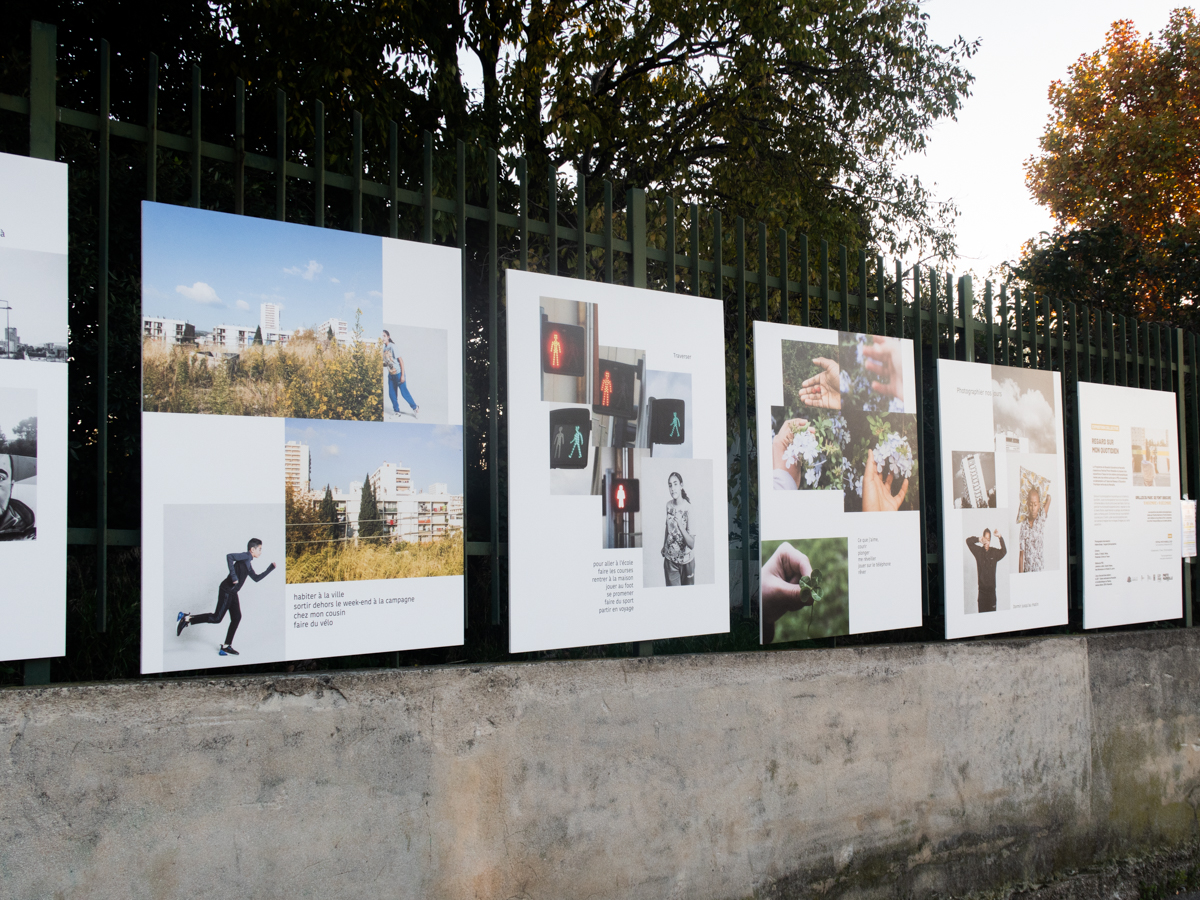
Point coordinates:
[(268, 317), (296, 466)]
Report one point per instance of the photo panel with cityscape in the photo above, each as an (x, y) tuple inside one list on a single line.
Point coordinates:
[(266, 357), (837, 411), (1130, 504), (374, 546), (1003, 470), (618, 373), (253, 317), (677, 517), (33, 407)]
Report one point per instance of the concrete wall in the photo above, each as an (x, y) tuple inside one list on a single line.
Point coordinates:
[(876, 771)]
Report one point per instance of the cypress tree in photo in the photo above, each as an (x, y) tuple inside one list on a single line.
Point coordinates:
[(329, 514), (258, 336), (368, 512)]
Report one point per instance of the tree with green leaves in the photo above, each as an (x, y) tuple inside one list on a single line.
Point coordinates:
[(369, 525), (258, 341), (329, 515), (1118, 167)]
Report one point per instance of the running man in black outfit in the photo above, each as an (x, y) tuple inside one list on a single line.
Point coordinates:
[(240, 567), (986, 557)]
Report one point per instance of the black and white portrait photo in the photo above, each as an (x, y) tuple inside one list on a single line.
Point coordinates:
[(987, 562), (677, 518), (1023, 409), (18, 464)]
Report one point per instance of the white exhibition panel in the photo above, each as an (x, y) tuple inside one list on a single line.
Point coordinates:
[(214, 479), (1001, 443), (1129, 480), (877, 571), (566, 587), (33, 497)]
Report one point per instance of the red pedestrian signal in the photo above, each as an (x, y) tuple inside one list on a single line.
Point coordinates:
[(624, 495), (563, 349), (615, 389)]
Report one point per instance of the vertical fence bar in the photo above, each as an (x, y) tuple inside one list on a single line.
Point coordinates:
[(635, 229), (1181, 405), (552, 220), (609, 262), (581, 215), (784, 311), (863, 325), (523, 214), (805, 306), (694, 249), (990, 327), (319, 164), (195, 201), (743, 415), (966, 303), (43, 90), (280, 156), (1110, 337), (900, 303), (493, 276), (426, 188), (923, 451), (102, 339), (844, 274), (1004, 324), (670, 239), (152, 130), (718, 258), (824, 283), (43, 126), (762, 272), (1062, 338), (880, 296), (1144, 348), (356, 197), (1124, 332), (239, 147), (393, 198)]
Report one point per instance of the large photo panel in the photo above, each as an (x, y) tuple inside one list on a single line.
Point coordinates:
[(1004, 523), (302, 442), (616, 455), (33, 407), (1132, 528), (839, 489)]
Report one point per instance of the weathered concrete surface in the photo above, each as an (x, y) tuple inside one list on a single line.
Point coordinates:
[(877, 771)]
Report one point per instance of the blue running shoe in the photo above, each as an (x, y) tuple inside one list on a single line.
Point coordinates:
[(227, 650), (183, 623)]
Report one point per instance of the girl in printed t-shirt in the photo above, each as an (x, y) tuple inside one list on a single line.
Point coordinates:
[(678, 550)]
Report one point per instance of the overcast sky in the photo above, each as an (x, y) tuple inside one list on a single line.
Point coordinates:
[(978, 160)]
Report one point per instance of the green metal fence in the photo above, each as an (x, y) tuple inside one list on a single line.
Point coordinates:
[(647, 241)]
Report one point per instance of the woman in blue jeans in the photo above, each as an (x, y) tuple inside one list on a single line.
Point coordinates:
[(679, 544), (397, 377)]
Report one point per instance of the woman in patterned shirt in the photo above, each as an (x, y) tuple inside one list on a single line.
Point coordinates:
[(1033, 532), (678, 550)]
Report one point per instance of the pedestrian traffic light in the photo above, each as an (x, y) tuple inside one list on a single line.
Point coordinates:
[(623, 496), (668, 421), (570, 438), (563, 349), (613, 392)]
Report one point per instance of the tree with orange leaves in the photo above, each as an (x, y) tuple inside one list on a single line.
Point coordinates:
[(1119, 168)]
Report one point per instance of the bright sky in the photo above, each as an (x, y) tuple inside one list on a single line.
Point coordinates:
[(212, 268), (978, 160), (343, 452)]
